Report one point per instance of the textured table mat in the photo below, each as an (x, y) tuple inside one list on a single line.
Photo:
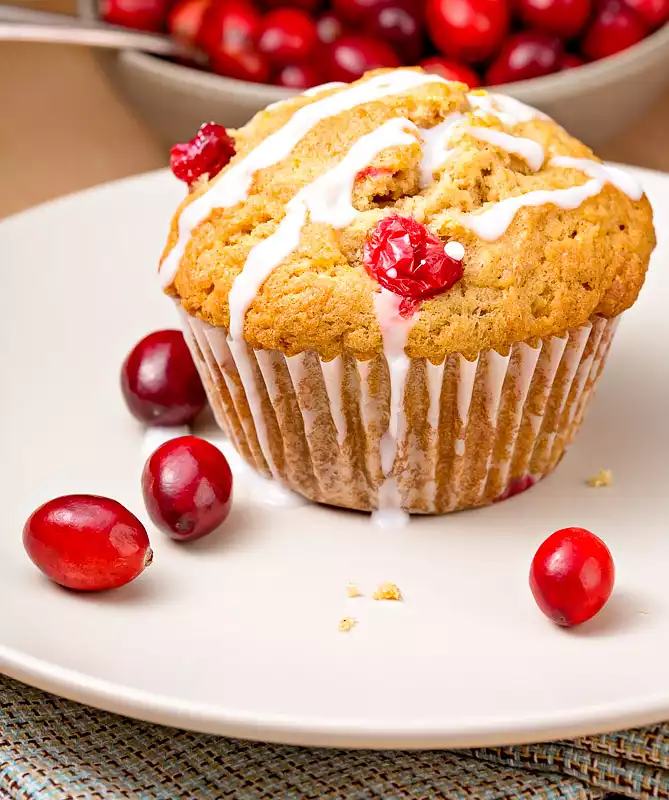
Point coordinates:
[(53, 749)]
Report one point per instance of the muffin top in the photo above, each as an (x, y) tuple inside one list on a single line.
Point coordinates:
[(403, 211)]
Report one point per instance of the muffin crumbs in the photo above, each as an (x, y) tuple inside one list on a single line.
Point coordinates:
[(346, 624), (387, 591), (601, 480)]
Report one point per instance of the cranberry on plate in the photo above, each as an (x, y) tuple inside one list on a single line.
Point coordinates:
[(160, 383), (468, 30), (451, 71), (615, 27), (353, 55), (187, 487), (287, 36), (525, 55), (564, 18), (570, 61), (572, 576), (143, 15), (87, 543)]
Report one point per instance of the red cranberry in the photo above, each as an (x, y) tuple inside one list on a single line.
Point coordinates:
[(87, 543), (400, 27), (615, 28), (329, 28), (229, 27), (351, 56), (185, 19), (408, 259), (143, 15), (187, 487), (244, 65), (159, 381), (310, 6), (572, 576), (353, 11), (450, 71), (298, 76), (564, 18), (206, 153), (287, 36), (570, 61), (468, 30), (653, 12), (526, 55)]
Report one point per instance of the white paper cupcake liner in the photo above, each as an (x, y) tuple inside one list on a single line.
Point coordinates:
[(428, 438)]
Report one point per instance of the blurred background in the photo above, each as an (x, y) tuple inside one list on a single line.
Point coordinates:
[(72, 117)]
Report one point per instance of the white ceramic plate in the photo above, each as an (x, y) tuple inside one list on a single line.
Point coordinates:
[(237, 634)]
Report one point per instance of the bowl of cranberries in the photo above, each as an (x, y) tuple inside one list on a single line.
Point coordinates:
[(593, 65)]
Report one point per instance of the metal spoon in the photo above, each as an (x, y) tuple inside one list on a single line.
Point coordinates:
[(29, 25)]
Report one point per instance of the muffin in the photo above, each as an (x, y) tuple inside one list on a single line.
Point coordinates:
[(401, 294)]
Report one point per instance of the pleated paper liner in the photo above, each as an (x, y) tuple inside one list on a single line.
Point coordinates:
[(461, 434)]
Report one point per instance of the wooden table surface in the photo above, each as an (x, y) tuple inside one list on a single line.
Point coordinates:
[(63, 128)]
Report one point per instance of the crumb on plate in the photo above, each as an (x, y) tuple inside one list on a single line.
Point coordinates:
[(352, 590), (603, 478), (387, 591), (346, 624)]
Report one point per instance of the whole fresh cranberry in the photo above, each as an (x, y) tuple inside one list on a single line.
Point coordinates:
[(401, 27), (243, 65), (159, 381), (185, 19), (351, 56), (143, 15), (564, 18), (310, 6), (653, 12), (87, 543), (615, 27), (229, 27), (437, 65), (408, 259), (353, 11), (287, 36), (329, 28), (570, 61), (187, 488), (572, 576), (206, 154), (525, 55), (298, 76), (468, 30)]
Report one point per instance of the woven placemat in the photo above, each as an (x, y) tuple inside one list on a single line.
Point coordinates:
[(53, 749)]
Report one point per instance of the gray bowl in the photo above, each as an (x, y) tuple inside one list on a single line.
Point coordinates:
[(593, 102)]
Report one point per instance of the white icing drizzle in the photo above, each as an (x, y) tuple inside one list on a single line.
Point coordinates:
[(327, 199), (323, 87), (492, 223), (530, 151), (232, 186), (436, 149), (508, 110), (603, 173), (454, 250), (395, 331)]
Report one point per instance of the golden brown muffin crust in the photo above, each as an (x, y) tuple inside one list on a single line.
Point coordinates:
[(551, 270)]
